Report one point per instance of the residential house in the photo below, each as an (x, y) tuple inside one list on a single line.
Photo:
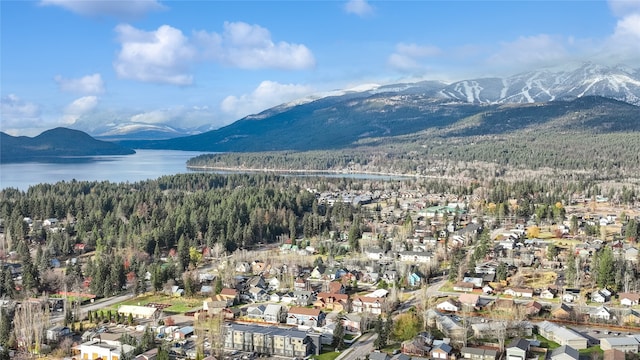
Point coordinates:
[(379, 355), (271, 340), (600, 313), (533, 308), (317, 272), (300, 284), (548, 293), (487, 330), (332, 302), (148, 355), (463, 286), (413, 279), (183, 332), (303, 297), (565, 352), (562, 335), (519, 292), (258, 267), (629, 299), (336, 287), (571, 295), (420, 257), (476, 281), (631, 317), (367, 304), (213, 306), (420, 345), (626, 344), (275, 314), (106, 351), (56, 333), (441, 351), (450, 305), (474, 353), (562, 312), (257, 294), (518, 349), (256, 281), (230, 295), (273, 284), (305, 316), (137, 312), (601, 296), (506, 305), (243, 267), (471, 300), (256, 312)]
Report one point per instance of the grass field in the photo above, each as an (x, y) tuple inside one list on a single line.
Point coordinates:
[(545, 343), (179, 305)]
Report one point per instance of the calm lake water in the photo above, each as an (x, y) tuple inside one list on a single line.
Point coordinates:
[(144, 165)]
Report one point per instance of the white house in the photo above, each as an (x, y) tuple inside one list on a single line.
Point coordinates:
[(601, 313), (449, 305), (629, 299), (99, 349)]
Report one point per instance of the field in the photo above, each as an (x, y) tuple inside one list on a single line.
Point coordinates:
[(539, 279), (178, 305)]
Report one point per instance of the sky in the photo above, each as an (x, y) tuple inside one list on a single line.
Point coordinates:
[(203, 64)]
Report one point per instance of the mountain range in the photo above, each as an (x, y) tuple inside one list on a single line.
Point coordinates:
[(349, 118), (55, 145)]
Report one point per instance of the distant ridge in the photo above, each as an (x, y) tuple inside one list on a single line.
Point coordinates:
[(55, 143), (346, 118)]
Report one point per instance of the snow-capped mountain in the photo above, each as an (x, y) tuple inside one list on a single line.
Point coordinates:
[(617, 83)]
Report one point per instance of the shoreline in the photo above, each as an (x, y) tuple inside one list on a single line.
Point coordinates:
[(301, 171)]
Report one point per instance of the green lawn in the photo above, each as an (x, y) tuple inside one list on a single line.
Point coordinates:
[(546, 343), (592, 350), (178, 304), (328, 353)]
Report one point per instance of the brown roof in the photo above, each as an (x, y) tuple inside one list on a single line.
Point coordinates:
[(324, 295), (304, 311), (462, 284), (229, 291), (630, 296), (469, 299), (367, 299), (335, 286)]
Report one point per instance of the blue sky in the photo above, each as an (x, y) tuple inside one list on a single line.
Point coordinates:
[(188, 64)]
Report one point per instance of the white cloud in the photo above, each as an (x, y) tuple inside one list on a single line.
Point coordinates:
[(407, 57), (250, 47), (90, 84), (358, 7), (116, 8), (78, 108), (18, 117), (161, 56), (622, 8), (179, 116), (266, 95), (537, 50)]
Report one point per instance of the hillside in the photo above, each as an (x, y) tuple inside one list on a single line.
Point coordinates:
[(55, 143)]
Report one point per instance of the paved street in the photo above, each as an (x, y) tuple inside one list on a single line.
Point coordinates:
[(360, 349), (97, 305)]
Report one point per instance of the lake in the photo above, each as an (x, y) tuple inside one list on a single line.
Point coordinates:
[(143, 165)]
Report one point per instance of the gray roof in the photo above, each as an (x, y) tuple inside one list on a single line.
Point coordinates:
[(565, 349), (378, 356), (273, 330), (522, 344)]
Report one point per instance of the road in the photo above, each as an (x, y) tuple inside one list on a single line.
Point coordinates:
[(360, 349), (97, 305)]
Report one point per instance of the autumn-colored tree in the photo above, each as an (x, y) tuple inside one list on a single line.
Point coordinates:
[(533, 232)]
